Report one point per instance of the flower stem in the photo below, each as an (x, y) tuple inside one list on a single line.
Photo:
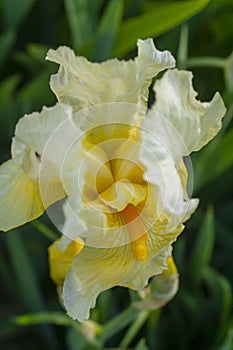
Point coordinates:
[(117, 323), (47, 232), (134, 328), (215, 62), (182, 54)]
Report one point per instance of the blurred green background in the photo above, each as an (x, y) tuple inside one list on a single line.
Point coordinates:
[(199, 33)]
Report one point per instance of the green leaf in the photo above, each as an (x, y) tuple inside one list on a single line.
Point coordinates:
[(95, 7), (119, 322), (47, 232), (209, 61), (80, 23), (182, 55), (25, 279), (38, 52), (85, 332), (73, 338), (24, 272), (6, 42), (5, 274), (210, 165), (202, 250), (134, 328), (36, 93), (161, 18), (229, 72), (7, 89), (52, 317), (9, 106), (76, 336), (15, 11), (228, 341), (107, 30), (220, 296), (141, 345)]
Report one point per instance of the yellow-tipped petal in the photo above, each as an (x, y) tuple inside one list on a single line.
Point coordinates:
[(61, 254), (171, 267), (161, 289), (95, 270), (19, 196)]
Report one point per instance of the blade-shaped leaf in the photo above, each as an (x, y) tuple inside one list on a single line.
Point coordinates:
[(15, 11), (203, 246), (107, 31), (24, 272), (141, 345), (57, 318), (161, 18), (79, 21), (220, 295), (210, 165), (6, 41)]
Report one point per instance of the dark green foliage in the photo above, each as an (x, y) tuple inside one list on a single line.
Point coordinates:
[(199, 34)]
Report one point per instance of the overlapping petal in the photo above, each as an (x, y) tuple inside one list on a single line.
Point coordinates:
[(35, 129), (119, 170), (20, 195), (61, 254), (182, 122), (81, 84), (171, 198), (95, 270), (162, 288), (112, 256)]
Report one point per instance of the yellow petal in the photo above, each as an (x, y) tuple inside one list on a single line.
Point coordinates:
[(183, 173), (107, 123), (95, 270), (171, 267), (32, 134), (61, 254), (126, 164), (19, 196), (121, 193)]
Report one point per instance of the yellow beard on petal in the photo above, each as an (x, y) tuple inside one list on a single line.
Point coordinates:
[(137, 232)]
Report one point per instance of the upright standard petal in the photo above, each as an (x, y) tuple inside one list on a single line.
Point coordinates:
[(151, 61), (161, 171), (35, 129), (81, 83), (182, 122)]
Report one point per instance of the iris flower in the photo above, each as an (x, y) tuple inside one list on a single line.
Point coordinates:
[(116, 167)]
